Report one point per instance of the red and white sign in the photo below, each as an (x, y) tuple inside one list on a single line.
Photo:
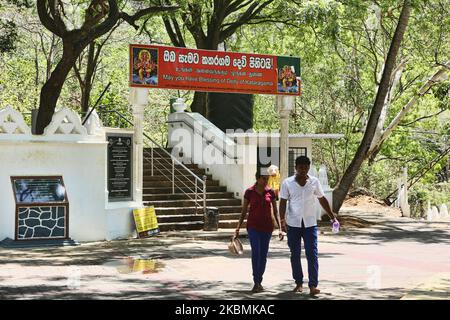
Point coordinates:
[(217, 71)]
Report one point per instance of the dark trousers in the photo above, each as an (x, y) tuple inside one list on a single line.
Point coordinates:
[(309, 236), (259, 242)]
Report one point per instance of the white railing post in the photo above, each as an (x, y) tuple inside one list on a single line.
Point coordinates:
[(173, 176), (196, 199), (138, 100), (204, 194), (151, 160)]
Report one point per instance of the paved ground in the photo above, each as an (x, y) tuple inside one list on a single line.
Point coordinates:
[(393, 259)]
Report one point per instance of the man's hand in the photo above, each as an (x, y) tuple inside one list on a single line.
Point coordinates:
[(283, 225), (280, 235), (334, 216)]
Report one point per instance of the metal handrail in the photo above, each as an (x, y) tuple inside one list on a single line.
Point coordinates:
[(173, 160), (193, 189)]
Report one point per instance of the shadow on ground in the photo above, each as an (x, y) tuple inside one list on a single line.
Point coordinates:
[(196, 290)]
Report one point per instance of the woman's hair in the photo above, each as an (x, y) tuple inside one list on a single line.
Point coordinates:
[(273, 169)]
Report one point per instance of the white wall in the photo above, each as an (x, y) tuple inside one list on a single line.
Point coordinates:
[(80, 158), (82, 166), (295, 142), (237, 177)]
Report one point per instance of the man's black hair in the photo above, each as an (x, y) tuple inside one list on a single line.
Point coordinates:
[(302, 160)]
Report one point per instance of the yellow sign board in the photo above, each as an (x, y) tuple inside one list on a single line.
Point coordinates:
[(146, 221)]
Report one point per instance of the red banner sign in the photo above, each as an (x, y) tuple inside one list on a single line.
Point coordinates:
[(217, 71)]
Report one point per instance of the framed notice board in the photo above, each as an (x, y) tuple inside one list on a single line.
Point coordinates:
[(120, 166), (42, 207)]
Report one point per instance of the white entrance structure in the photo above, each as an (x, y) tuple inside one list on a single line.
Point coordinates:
[(234, 158), (65, 149)]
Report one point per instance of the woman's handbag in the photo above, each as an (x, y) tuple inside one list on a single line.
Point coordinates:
[(235, 246)]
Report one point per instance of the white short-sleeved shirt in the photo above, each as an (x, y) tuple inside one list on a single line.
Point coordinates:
[(301, 201)]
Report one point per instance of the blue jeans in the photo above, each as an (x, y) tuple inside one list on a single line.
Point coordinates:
[(309, 236), (259, 242)]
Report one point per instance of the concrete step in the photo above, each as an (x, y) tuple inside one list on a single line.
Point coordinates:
[(169, 226), (177, 211), (224, 221), (154, 190), (160, 155), (191, 210), (167, 164), (166, 177), (191, 203), (157, 155), (147, 149), (229, 216), (180, 218), (231, 224), (148, 171), (187, 184), (163, 158), (182, 196)]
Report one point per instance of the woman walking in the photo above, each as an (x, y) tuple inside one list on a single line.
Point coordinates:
[(259, 200)]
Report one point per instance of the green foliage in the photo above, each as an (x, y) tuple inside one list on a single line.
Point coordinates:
[(422, 195), (8, 36)]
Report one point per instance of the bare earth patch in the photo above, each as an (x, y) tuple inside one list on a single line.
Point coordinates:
[(361, 203), (369, 204), (348, 221)]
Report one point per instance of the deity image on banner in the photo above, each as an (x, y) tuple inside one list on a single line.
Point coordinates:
[(145, 66), (288, 74)]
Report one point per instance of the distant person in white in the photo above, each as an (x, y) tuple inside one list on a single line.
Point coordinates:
[(298, 192)]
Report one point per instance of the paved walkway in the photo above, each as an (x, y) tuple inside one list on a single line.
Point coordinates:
[(393, 259)]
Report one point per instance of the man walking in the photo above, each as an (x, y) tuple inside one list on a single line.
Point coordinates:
[(298, 193)]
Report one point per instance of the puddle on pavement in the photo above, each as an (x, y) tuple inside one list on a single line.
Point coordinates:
[(136, 265)]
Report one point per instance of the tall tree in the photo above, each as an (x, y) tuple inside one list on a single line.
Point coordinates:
[(362, 152), (100, 17), (91, 61)]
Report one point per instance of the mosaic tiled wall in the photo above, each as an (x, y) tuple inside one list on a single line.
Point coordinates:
[(41, 222)]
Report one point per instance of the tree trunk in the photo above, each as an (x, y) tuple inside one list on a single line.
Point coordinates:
[(200, 103), (352, 171), (52, 89), (85, 98), (88, 79)]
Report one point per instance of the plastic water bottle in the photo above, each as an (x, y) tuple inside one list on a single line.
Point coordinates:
[(336, 226)]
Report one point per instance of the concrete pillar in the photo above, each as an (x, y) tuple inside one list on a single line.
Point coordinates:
[(138, 100), (284, 105)]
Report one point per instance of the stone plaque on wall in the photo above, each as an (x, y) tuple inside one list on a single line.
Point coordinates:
[(42, 208), (120, 164)]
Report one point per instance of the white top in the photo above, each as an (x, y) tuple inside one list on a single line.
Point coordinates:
[(301, 201)]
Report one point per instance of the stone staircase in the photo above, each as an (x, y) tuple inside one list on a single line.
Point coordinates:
[(177, 211)]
